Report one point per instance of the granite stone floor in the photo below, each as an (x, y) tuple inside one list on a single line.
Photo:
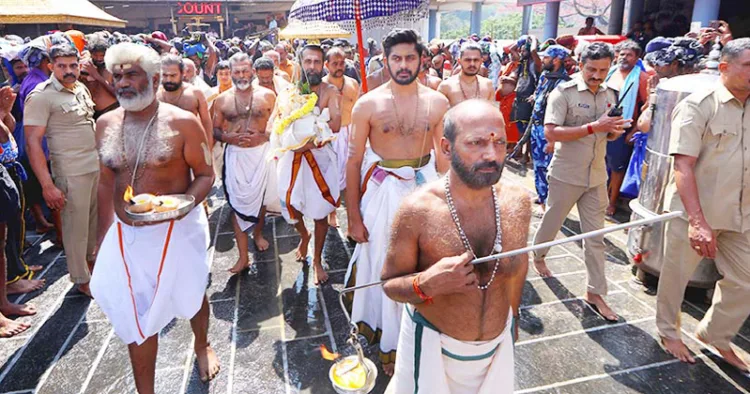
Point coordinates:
[(267, 328)]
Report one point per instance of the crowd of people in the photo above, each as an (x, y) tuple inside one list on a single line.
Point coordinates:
[(89, 121)]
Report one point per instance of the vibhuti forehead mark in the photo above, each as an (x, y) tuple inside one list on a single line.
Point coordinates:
[(123, 67)]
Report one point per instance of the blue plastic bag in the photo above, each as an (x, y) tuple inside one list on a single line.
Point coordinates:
[(632, 182)]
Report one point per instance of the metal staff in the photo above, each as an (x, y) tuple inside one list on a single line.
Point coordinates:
[(649, 219)]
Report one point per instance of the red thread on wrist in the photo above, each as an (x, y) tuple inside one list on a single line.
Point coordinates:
[(424, 297), (590, 128)]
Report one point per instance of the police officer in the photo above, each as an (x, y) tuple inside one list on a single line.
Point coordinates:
[(61, 109), (710, 143), (577, 120)]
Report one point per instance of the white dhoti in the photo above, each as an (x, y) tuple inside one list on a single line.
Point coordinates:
[(250, 182), (309, 182), (147, 275), (383, 189), (341, 146), (434, 363)]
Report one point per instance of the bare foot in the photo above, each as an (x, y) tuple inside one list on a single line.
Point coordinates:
[(84, 289), (261, 244), (23, 286), (303, 244), (678, 349), (9, 328), (729, 356), (242, 263), (11, 309), (208, 363), (321, 276), (596, 302), (611, 209), (540, 266), (333, 221), (389, 368)]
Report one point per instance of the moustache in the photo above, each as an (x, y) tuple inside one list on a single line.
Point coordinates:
[(171, 86), (489, 164), (122, 91), (69, 76)]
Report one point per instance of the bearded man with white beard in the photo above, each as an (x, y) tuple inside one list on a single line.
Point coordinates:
[(240, 119), (149, 273)]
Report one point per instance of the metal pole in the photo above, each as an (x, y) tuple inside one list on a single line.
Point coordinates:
[(636, 223), (526, 20), (476, 18), (617, 13), (360, 45), (551, 19), (636, 13), (704, 11), (432, 25)]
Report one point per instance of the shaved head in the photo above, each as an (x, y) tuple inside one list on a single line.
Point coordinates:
[(474, 139), (470, 113)]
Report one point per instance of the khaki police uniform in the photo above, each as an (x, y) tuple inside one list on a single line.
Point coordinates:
[(67, 115), (714, 127), (577, 174)]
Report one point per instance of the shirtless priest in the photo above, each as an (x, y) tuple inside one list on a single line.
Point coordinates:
[(457, 333), (468, 84), (240, 119), (308, 177), (149, 273)]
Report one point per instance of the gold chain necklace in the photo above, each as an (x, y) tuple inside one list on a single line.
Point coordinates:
[(461, 85)]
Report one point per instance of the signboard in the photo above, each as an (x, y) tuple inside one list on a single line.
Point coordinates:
[(198, 8), (522, 3)]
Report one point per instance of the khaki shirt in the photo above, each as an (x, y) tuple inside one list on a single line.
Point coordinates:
[(68, 116), (714, 126), (580, 162)]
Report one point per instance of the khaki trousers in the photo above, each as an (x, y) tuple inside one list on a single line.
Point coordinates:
[(592, 204), (730, 307), (79, 218)]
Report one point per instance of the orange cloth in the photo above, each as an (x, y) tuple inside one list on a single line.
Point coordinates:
[(506, 106), (79, 40), (291, 69), (508, 69)]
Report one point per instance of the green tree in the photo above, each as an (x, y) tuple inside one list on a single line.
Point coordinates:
[(500, 27)]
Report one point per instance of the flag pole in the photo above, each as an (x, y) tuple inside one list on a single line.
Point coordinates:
[(360, 42)]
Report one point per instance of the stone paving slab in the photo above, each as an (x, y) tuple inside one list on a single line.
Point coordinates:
[(267, 327)]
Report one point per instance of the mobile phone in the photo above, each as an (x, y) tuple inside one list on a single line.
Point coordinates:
[(714, 24)]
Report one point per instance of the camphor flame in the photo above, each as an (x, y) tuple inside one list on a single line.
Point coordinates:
[(128, 196), (328, 355)]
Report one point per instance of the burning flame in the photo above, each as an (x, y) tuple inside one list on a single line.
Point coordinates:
[(328, 355), (128, 196)]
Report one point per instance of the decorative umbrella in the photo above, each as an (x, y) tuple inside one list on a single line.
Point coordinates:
[(319, 30), (353, 14)]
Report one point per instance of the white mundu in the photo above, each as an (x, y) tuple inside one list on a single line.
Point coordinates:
[(341, 146), (309, 182), (385, 183), (148, 275), (430, 362), (249, 181)]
